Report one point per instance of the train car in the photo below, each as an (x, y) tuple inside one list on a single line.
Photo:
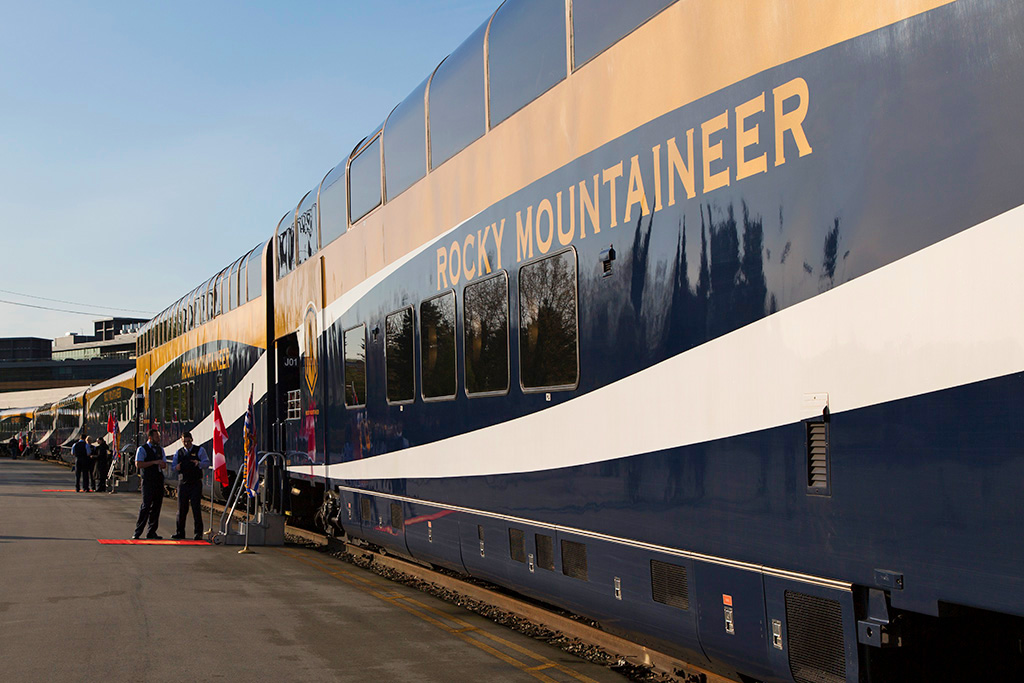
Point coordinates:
[(113, 397), (701, 322), (43, 427), (15, 423), (210, 343), (68, 421)]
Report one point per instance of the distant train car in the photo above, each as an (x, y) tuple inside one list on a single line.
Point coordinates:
[(43, 427), (68, 421), (113, 397), (210, 343), (702, 323), (16, 423)]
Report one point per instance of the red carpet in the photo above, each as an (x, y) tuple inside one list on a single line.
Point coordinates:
[(147, 541), (59, 491)]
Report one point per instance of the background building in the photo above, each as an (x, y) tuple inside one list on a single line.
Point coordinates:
[(74, 360)]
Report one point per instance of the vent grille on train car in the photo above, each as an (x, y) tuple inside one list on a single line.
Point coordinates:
[(668, 584), (817, 456), (364, 508), (815, 628), (574, 560), (545, 552), (517, 545), (397, 519)]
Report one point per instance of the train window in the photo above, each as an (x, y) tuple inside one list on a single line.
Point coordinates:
[(525, 54), (155, 410), (285, 245), (598, 24), (405, 143), (173, 401), (222, 291), (333, 206), (294, 405), (233, 287), (306, 229), (548, 355), (398, 357), (364, 180), (355, 366), (254, 272), (437, 346), (211, 300), (456, 109), (486, 335)]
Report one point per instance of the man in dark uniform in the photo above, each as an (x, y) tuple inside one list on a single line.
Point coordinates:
[(102, 453), (189, 462), (83, 463), (150, 461)]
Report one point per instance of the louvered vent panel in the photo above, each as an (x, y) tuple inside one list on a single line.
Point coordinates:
[(574, 560), (480, 532), (817, 455), (668, 584), (517, 545), (397, 518), (545, 552), (815, 628)]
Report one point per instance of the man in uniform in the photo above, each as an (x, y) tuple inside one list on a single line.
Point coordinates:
[(149, 459), (189, 462), (83, 463), (102, 464)]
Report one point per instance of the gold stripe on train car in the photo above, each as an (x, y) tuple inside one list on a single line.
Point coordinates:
[(613, 94)]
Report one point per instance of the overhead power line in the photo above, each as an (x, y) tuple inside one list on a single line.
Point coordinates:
[(62, 301), (51, 308)]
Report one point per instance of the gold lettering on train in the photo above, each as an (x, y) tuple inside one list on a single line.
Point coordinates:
[(636, 194), (748, 137), (793, 121), (539, 223), (209, 362), (712, 153)]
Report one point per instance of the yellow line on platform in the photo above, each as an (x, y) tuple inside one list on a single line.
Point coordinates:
[(463, 630)]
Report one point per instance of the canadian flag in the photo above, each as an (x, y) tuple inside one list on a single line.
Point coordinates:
[(220, 436)]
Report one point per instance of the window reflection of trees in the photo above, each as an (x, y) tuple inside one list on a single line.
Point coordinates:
[(437, 346), (398, 353), (355, 366), (486, 333), (547, 322)]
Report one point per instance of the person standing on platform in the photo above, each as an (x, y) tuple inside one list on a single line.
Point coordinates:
[(12, 446), (82, 453), (102, 453), (149, 459), (189, 462)]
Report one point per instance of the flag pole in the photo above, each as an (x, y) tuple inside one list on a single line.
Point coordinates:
[(248, 523), (209, 532), (248, 497)]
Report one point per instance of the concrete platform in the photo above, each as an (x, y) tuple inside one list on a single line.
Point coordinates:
[(73, 609)]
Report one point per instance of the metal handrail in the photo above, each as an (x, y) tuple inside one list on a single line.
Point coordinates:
[(227, 515)]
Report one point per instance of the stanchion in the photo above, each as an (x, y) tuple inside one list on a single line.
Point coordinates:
[(248, 523)]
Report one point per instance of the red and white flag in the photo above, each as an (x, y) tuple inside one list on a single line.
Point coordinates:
[(220, 436), (111, 425)]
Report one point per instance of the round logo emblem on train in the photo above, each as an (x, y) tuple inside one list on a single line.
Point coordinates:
[(309, 328)]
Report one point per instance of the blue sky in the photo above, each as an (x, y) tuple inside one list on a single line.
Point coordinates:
[(145, 145)]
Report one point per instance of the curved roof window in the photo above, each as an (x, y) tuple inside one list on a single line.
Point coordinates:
[(525, 53), (599, 24), (405, 143), (456, 100), (364, 180)]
